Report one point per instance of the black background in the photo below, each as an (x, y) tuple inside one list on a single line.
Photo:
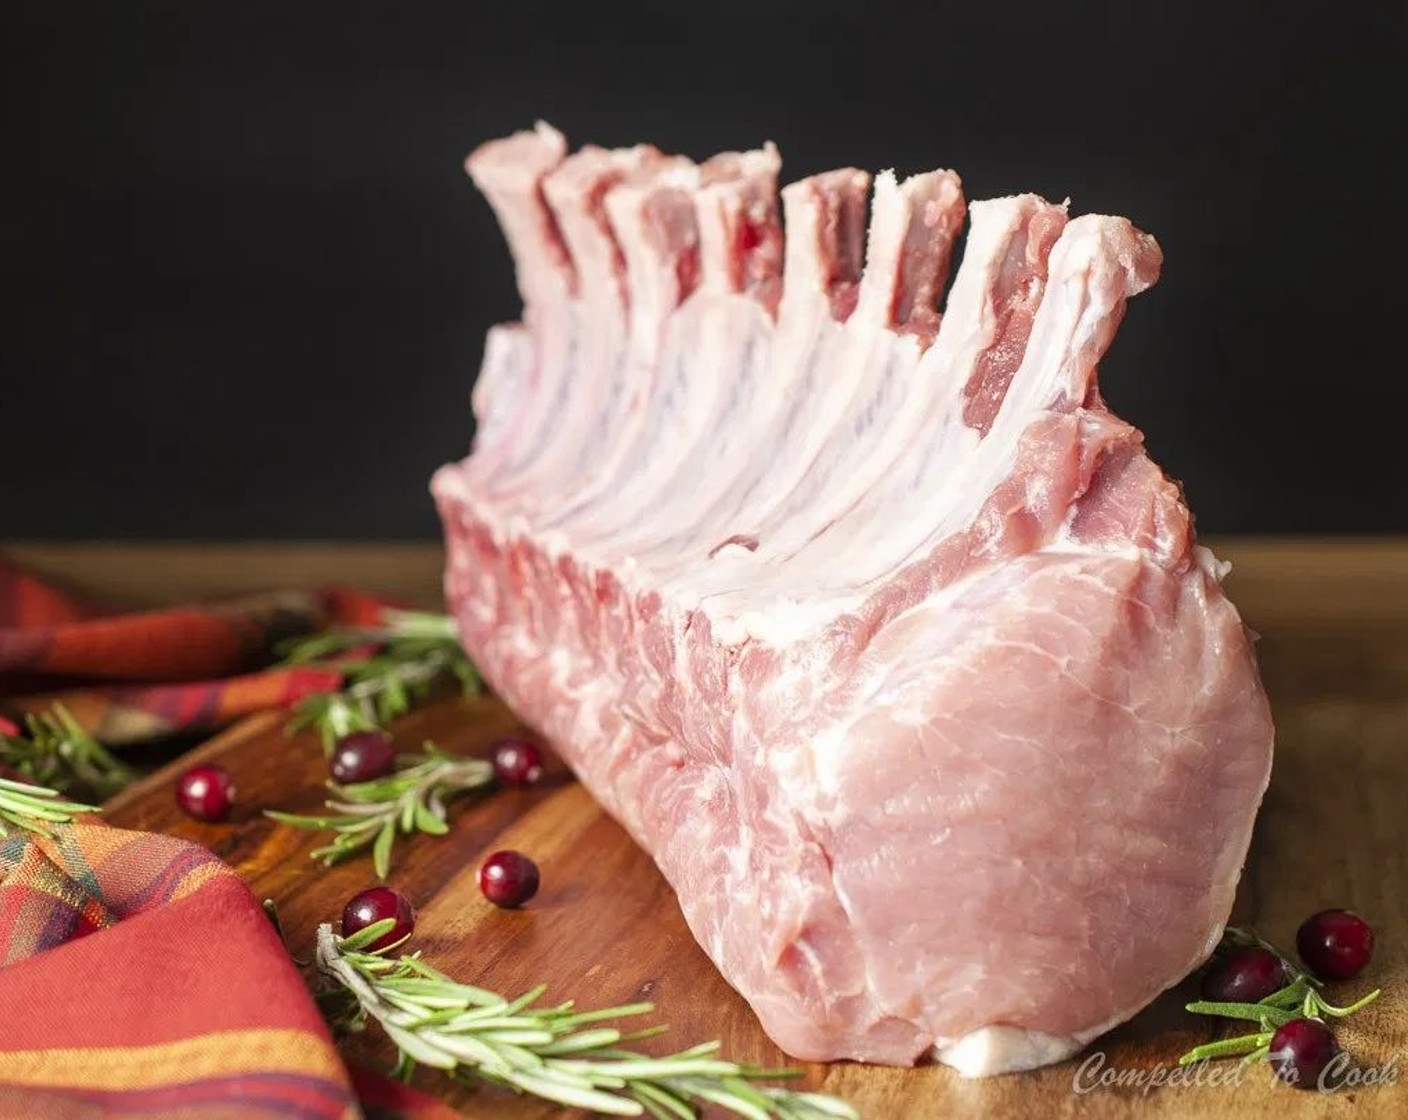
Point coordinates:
[(249, 282)]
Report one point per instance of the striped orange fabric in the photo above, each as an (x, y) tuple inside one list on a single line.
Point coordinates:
[(118, 714), (138, 975), (140, 978)]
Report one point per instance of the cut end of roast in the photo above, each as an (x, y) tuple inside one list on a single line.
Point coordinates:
[(825, 566)]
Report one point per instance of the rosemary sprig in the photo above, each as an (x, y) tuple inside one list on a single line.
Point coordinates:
[(34, 808), (1296, 1000), (413, 799), (333, 714), (410, 654), (556, 1053), (57, 752), (1300, 998)]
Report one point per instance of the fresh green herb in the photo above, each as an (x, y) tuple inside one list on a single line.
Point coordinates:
[(35, 808), (58, 753), (1300, 998), (555, 1053), (411, 800), (386, 670), (334, 714)]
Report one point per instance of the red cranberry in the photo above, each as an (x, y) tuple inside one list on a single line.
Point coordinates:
[(1300, 1051), (1335, 944), (1246, 975), (508, 879), (517, 762), (376, 904), (362, 756), (206, 793)]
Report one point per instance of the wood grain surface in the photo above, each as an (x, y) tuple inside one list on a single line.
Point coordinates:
[(605, 929)]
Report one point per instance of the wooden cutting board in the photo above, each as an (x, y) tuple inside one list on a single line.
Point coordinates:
[(606, 929)]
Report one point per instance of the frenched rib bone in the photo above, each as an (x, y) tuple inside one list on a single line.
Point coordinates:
[(851, 600)]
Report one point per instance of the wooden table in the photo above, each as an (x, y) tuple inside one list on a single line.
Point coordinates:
[(1333, 832)]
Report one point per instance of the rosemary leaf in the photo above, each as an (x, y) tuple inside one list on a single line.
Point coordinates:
[(334, 715), (386, 671), (374, 813), (1341, 1012), (1224, 1048), (544, 1051), (662, 1104), (381, 848), (1289, 996), (1255, 1012), (367, 934), (33, 808), (58, 753)]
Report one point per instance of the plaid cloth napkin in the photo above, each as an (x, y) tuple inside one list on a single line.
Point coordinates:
[(139, 977), (130, 677)]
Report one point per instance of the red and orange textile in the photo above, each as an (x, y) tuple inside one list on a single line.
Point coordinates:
[(139, 977), (143, 675)]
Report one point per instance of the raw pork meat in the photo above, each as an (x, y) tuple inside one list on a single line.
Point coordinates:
[(873, 625)]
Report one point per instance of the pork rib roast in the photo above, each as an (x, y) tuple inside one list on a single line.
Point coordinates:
[(869, 620)]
